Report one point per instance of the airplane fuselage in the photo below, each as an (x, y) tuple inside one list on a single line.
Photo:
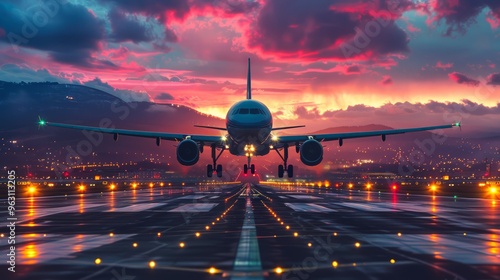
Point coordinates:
[(249, 124)]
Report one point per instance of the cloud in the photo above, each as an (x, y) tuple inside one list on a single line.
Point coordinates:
[(164, 96), (127, 28), (386, 81), (493, 79), (442, 65), (125, 95), (311, 30), (463, 79), (460, 14), (18, 73), (70, 33)]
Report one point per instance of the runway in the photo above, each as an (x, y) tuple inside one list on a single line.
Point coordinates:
[(253, 232)]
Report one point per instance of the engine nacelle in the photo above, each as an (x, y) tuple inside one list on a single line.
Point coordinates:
[(188, 152), (311, 152)]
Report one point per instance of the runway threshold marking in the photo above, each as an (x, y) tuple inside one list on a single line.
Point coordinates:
[(247, 264), (194, 207), (309, 207)]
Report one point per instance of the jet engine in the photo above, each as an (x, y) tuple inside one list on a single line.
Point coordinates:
[(188, 152), (311, 152)]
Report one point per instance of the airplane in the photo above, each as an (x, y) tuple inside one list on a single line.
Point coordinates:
[(249, 132)]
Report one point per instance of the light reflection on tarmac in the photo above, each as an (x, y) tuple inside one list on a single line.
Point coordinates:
[(197, 234)]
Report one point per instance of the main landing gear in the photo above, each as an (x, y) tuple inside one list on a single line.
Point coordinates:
[(284, 167), (215, 167)]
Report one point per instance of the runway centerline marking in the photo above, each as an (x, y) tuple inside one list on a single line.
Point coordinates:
[(247, 264)]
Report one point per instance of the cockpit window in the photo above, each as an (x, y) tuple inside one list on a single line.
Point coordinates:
[(254, 111), (243, 111)]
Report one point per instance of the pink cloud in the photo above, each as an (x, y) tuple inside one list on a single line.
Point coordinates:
[(442, 65), (463, 79)]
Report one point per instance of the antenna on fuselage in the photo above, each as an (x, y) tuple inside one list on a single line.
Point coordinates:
[(249, 83)]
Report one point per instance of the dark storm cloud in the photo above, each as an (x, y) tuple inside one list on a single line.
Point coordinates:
[(127, 28), (69, 33), (181, 8), (156, 8), (316, 29), (463, 79), (493, 79), (460, 14)]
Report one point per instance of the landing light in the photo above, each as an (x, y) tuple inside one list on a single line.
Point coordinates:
[(274, 138), (493, 190), (223, 138)]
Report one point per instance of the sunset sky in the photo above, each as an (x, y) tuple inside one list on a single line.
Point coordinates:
[(327, 60)]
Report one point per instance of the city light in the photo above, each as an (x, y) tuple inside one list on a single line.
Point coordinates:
[(112, 187), (278, 270), (212, 270), (335, 264), (97, 261), (152, 264), (81, 188)]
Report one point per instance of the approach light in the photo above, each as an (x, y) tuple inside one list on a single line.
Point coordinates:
[(212, 270), (357, 244), (81, 188), (32, 189), (335, 264), (278, 270), (112, 187), (97, 261)]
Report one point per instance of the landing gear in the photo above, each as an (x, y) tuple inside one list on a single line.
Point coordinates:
[(246, 167), (281, 168), (215, 167), (252, 168)]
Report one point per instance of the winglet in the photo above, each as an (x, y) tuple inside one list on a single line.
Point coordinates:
[(249, 83)]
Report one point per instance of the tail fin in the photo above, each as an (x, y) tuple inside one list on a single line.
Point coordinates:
[(249, 82)]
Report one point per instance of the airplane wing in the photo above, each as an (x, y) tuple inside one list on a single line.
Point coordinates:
[(349, 135), (205, 139)]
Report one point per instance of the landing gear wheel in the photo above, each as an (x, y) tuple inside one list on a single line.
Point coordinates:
[(281, 171), (289, 171), (219, 170), (210, 170), (245, 169), (252, 168)]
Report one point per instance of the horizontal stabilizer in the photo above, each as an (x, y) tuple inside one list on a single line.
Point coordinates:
[(211, 127), (287, 127)]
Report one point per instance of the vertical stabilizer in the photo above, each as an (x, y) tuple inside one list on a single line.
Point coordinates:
[(249, 82)]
